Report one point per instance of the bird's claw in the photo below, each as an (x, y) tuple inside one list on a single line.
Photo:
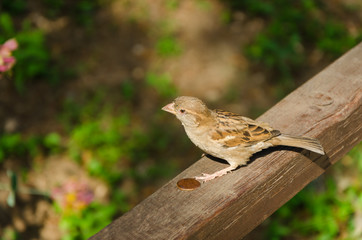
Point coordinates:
[(206, 177)]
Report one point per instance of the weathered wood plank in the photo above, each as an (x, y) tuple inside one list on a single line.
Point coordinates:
[(327, 107)]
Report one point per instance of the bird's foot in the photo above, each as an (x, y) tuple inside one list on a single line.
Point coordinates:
[(207, 177)]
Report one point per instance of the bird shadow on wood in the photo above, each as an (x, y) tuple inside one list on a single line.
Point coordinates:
[(216, 159), (321, 160)]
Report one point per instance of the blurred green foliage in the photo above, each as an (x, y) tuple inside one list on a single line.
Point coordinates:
[(110, 139), (82, 11), (115, 144), (18, 148), (32, 57), (162, 84), (10, 234), (14, 145), (16, 7), (86, 223), (168, 46), (172, 4), (323, 212), (291, 29), (107, 142)]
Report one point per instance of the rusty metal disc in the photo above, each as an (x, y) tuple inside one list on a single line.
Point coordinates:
[(188, 184)]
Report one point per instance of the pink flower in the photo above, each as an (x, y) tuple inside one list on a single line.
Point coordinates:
[(73, 195), (11, 44), (6, 60), (6, 63)]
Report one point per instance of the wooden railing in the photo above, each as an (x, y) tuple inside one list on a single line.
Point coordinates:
[(327, 107)]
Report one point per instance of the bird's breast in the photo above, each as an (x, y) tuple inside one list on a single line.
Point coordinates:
[(199, 137)]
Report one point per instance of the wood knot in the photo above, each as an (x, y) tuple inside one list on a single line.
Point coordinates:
[(321, 99)]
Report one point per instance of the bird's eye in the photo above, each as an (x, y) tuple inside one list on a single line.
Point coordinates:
[(182, 110)]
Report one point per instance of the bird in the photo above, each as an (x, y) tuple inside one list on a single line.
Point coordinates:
[(230, 136)]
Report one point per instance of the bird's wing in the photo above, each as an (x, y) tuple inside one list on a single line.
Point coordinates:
[(235, 130)]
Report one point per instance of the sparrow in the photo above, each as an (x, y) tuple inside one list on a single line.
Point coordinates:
[(230, 136)]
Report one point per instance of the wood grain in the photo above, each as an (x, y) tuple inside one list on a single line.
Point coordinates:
[(327, 107)]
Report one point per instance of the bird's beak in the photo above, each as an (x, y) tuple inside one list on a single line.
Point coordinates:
[(169, 108)]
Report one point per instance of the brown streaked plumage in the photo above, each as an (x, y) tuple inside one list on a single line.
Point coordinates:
[(230, 136)]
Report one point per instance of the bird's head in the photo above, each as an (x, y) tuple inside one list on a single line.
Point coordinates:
[(190, 111)]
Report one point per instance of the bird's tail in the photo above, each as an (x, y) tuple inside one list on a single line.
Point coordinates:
[(310, 144)]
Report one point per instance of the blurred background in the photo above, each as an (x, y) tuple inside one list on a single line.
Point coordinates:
[(82, 136)]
